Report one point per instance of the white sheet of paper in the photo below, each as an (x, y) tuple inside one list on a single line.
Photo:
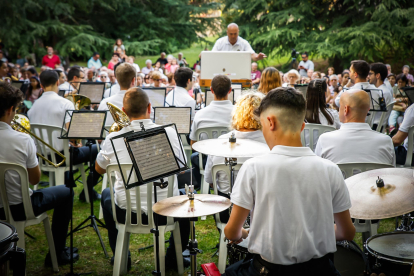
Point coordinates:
[(87, 124), (180, 116), (156, 96), (93, 91)]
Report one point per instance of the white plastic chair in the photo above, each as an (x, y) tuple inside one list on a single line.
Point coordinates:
[(409, 158), (312, 132), (56, 175), (367, 228), (220, 225), (31, 219), (124, 230), (382, 124)]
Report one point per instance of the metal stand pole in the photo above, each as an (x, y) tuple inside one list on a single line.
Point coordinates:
[(193, 247)]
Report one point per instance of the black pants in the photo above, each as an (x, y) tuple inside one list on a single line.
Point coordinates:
[(401, 155), (195, 163), (120, 214), (56, 198), (224, 215)]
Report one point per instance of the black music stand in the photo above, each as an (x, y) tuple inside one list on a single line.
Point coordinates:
[(137, 144), (79, 121), (409, 91), (208, 101), (303, 88)]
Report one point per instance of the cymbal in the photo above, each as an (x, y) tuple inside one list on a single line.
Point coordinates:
[(183, 207), (394, 199), (223, 148)]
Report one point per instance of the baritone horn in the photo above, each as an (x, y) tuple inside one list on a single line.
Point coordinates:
[(121, 120), (21, 124)]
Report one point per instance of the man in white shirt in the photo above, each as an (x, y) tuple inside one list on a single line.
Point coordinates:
[(233, 42), (50, 109), (355, 141), (216, 114), (75, 77), (114, 89), (126, 75), (274, 191), (402, 136), (138, 109), (19, 148), (179, 95), (304, 65)]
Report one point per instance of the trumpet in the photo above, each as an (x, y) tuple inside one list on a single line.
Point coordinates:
[(120, 118), (21, 123)]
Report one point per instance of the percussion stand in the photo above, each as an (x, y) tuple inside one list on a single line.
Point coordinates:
[(193, 244), (407, 223)]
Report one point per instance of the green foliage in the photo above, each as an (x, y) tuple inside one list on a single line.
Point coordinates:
[(340, 30), (78, 28)]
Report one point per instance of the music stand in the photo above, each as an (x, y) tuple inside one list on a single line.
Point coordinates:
[(210, 97), (303, 88), (409, 91), (147, 150), (83, 125), (92, 90), (17, 84), (372, 108), (179, 116), (62, 93), (237, 90), (156, 95)]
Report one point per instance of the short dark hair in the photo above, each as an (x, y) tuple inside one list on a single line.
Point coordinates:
[(9, 96), (361, 67), (59, 72), (288, 99), (380, 68), (74, 71), (32, 70), (95, 53), (136, 102), (402, 77), (49, 78), (221, 85), (182, 75), (305, 53)]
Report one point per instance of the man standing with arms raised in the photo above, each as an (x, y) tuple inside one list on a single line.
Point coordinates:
[(233, 42)]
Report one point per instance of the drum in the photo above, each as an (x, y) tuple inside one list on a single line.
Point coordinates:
[(10, 255), (391, 253), (237, 252), (349, 259)]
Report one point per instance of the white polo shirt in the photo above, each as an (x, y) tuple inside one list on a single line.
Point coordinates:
[(124, 157), (217, 114), (297, 194), (50, 109), (113, 90), (407, 123), (222, 180), (223, 44), (67, 87), (356, 142), (19, 148), (179, 97), (117, 100)]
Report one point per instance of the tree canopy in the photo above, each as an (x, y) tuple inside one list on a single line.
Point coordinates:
[(340, 30), (77, 28)]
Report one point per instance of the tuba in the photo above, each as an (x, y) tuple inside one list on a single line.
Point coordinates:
[(21, 123), (120, 118)]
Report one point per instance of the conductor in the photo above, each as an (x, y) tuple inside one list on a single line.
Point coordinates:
[(233, 42)]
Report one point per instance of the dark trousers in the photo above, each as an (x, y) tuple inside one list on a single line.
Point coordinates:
[(195, 162), (120, 214), (401, 155), (56, 198), (315, 267), (224, 215)]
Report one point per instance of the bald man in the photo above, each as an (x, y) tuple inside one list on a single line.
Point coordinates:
[(233, 42), (355, 141)]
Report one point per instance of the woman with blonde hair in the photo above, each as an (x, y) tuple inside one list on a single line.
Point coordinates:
[(244, 125), (269, 80)]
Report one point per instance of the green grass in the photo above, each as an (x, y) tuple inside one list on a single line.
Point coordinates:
[(92, 258)]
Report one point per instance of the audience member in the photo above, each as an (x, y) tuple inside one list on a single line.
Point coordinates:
[(331, 71), (162, 59), (115, 88), (269, 79), (94, 61), (156, 79), (157, 67), (171, 81), (316, 75), (21, 61), (131, 60), (35, 90), (114, 61), (119, 45), (91, 75), (173, 67), (305, 64), (2, 57), (406, 70), (50, 60), (310, 74), (333, 79), (181, 60), (400, 98), (146, 70), (255, 75), (293, 78), (3, 70)]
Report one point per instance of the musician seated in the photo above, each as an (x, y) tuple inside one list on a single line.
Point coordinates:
[(19, 148), (402, 136), (75, 77), (50, 109), (245, 126), (138, 109), (216, 114), (294, 198), (355, 141)]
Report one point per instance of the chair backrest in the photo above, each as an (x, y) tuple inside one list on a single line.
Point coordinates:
[(46, 133), (409, 158), (384, 117), (370, 118), (24, 180), (350, 169), (210, 132), (126, 168), (312, 132)]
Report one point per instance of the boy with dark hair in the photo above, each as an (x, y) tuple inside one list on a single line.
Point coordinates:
[(179, 95)]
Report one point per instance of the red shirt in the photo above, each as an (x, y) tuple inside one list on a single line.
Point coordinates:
[(51, 62)]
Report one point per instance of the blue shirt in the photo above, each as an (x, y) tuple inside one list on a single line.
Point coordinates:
[(92, 63)]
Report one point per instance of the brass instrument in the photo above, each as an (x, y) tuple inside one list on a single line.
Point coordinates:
[(80, 101), (120, 118), (21, 123)]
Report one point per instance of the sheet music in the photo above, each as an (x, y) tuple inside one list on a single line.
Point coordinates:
[(93, 91), (180, 116), (154, 156), (86, 124), (237, 88), (17, 85), (302, 89), (156, 96)]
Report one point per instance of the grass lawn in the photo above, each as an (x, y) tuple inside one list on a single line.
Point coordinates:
[(93, 260)]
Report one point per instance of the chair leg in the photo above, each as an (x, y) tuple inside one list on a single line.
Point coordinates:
[(52, 181), (204, 190), (85, 183), (59, 177), (104, 184), (178, 249), (124, 267), (49, 237), (20, 232), (120, 242), (162, 250), (222, 252)]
